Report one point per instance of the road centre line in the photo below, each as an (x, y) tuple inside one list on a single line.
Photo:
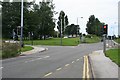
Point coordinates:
[(67, 65), (33, 60), (46, 56), (77, 60), (73, 61), (58, 69), (36, 59), (1, 67), (48, 74)]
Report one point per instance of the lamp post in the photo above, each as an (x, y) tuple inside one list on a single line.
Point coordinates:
[(61, 31), (32, 37), (77, 22), (21, 37)]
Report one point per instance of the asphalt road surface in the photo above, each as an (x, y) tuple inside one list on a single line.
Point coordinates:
[(56, 62)]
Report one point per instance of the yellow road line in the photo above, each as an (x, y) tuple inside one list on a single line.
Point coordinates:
[(86, 74), (84, 68)]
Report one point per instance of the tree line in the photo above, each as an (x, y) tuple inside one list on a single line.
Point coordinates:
[(38, 19)]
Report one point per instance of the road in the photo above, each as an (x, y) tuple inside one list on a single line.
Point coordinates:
[(56, 62)]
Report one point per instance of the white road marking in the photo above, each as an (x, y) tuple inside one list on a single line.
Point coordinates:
[(58, 69), (48, 74), (46, 48), (46, 56), (77, 60), (36, 59), (73, 61), (1, 67), (67, 65), (33, 60)]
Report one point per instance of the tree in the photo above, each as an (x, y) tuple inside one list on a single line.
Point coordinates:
[(72, 29), (94, 26), (45, 11), (37, 19), (64, 18), (10, 17)]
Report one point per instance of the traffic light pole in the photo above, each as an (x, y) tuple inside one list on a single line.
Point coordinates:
[(104, 43)]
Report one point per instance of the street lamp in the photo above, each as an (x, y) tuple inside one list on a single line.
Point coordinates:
[(32, 37), (21, 37), (61, 31), (77, 22)]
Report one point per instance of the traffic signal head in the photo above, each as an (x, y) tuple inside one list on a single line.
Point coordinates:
[(105, 29)]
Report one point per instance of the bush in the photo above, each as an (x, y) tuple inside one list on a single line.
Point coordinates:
[(88, 36), (10, 50)]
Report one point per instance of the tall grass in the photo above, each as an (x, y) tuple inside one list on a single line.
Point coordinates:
[(10, 50)]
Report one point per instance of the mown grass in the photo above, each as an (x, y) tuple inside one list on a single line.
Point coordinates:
[(55, 42), (26, 48), (117, 40), (65, 41), (94, 39), (114, 55)]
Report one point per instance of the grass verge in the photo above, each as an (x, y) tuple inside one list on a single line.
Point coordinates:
[(65, 41), (94, 39), (117, 40), (26, 48), (113, 54), (55, 42)]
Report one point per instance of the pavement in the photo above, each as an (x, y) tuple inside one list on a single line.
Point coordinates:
[(102, 66)]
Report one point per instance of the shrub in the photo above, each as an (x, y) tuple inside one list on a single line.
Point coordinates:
[(10, 50), (88, 36)]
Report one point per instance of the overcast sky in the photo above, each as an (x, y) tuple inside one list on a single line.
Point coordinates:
[(105, 10)]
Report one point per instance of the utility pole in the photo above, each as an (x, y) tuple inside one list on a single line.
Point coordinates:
[(21, 37)]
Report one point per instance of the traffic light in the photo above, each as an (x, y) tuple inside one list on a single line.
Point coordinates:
[(105, 29)]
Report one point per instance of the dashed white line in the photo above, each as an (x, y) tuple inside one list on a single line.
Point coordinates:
[(1, 67), (67, 65), (58, 69), (33, 60), (77, 60), (48, 74), (73, 61), (46, 56), (36, 59)]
